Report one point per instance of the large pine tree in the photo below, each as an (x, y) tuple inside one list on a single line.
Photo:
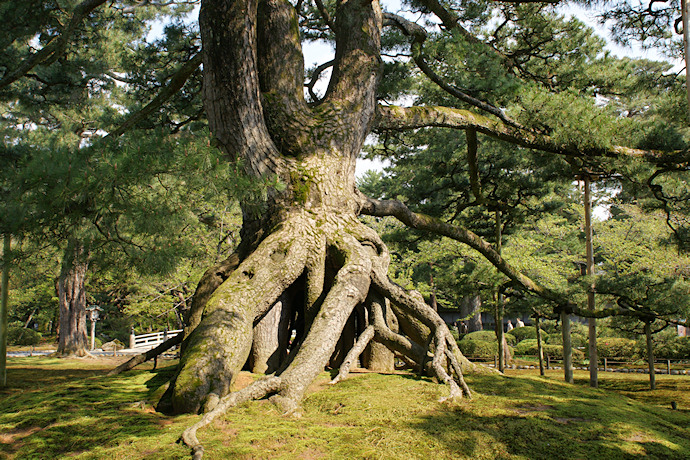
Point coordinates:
[(306, 262)]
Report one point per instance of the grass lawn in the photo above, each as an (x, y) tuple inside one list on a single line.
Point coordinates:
[(59, 408)]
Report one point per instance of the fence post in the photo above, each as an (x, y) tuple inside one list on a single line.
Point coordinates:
[(132, 338), (668, 366), (606, 364)]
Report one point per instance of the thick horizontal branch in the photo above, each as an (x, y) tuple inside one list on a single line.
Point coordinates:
[(393, 118), (56, 46), (418, 221), (176, 83), (414, 220)]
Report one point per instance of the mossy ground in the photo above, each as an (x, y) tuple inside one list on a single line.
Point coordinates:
[(67, 408)]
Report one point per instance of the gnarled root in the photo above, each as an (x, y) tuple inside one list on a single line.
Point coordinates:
[(362, 342), (331, 275), (256, 390)]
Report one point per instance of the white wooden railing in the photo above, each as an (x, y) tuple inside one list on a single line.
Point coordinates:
[(148, 341)]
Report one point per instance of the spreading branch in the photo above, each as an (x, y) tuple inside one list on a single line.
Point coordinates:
[(177, 81), (419, 35), (414, 220), (56, 46), (393, 118)]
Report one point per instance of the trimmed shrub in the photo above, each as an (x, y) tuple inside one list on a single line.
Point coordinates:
[(528, 332), (490, 336), (673, 348), (665, 347), (524, 332), (487, 336), (614, 347), (528, 347), (576, 339), (479, 348), (556, 351), (17, 335)]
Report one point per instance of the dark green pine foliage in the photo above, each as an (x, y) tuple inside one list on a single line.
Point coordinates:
[(134, 201)]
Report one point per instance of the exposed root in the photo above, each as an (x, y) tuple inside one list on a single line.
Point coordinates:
[(329, 274), (362, 342), (229, 316), (256, 390), (440, 335), (350, 287), (149, 354), (437, 365), (457, 370)]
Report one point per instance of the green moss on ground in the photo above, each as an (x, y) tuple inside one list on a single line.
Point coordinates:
[(59, 408)]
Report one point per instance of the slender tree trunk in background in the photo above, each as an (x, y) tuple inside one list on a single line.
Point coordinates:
[(72, 299), (592, 322), (540, 347), (498, 311), (432, 296), (567, 348), (4, 287), (500, 336), (685, 13), (650, 355)]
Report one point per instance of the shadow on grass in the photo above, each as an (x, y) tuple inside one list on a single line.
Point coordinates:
[(541, 419), (52, 410)]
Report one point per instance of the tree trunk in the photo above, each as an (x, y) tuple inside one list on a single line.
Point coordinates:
[(540, 347), (270, 341), (345, 343), (650, 355), (72, 340), (4, 287), (592, 322), (377, 357), (567, 348), (500, 335), (471, 307), (303, 246)]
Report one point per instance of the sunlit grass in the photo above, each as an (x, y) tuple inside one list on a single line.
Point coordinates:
[(68, 408)]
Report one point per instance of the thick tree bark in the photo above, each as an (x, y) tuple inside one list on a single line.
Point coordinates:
[(471, 307), (270, 339), (377, 356), (303, 247), (72, 300)]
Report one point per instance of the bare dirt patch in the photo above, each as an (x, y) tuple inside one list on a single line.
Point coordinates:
[(529, 408), (567, 420), (243, 379), (17, 434)]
